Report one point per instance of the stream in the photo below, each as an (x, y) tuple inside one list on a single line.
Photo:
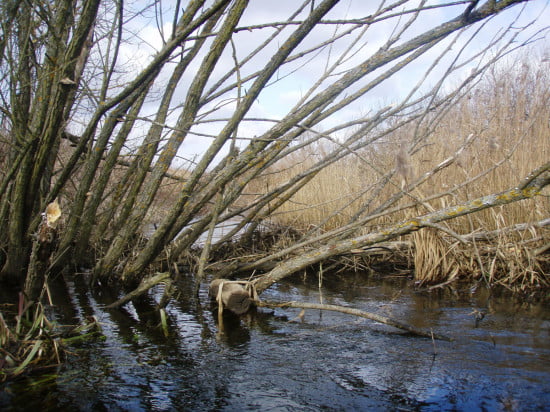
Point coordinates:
[(273, 361)]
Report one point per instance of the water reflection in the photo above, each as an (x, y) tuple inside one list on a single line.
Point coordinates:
[(330, 361)]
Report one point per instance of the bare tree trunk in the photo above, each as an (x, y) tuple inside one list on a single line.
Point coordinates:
[(156, 242), (106, 264), (44, 128), (43, 247)]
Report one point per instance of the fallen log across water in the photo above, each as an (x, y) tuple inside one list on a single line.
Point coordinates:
[(530, 186), (356, 312)]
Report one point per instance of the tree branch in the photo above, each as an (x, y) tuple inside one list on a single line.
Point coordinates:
[(356, 312)]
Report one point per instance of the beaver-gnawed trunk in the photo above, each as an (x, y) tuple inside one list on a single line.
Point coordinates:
[(234, 296)]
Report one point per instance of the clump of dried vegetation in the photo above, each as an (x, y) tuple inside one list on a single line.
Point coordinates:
[(495, 135), (30, 341)]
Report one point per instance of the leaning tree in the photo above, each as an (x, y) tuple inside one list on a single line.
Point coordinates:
[(99, 111)]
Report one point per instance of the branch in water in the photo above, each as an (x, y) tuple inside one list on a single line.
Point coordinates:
[(356, 312)]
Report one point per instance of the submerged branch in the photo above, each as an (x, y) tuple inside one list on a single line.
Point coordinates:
[(356, 312)]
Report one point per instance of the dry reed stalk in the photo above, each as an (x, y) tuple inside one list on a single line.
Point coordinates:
[(516, 267), (435, 260)]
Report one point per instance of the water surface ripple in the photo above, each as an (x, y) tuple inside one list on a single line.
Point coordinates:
[(328, 362)]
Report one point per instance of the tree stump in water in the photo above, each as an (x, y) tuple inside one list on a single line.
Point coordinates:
[(234, 296)]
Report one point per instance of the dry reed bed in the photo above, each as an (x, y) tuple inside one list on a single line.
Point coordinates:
[(507, 118)]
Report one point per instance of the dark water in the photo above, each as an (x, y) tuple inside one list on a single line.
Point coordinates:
[(330, 361)]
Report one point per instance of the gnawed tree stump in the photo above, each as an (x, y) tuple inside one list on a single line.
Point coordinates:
[(234, 296), (42, 249)]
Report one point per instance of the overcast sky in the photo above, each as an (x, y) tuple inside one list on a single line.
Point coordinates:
[(295, 79)]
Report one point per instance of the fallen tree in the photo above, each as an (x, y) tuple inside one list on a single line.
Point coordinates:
[(93, 116), (531, 186), (58, 84), (55, 80), (235, 297)]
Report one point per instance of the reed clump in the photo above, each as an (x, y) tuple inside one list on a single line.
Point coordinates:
[(29, 340), (491, 137)]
